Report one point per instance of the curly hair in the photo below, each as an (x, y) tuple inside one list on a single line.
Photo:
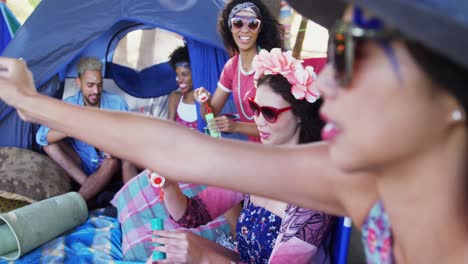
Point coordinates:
[(309, 115), (181, 54), (271, 34)]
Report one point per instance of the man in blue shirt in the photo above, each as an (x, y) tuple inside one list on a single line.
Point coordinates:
[(91, 168)]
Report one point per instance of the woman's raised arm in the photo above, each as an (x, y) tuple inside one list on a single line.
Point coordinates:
[(301, 175)]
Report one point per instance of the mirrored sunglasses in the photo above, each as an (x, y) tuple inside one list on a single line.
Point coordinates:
[(253, 24)]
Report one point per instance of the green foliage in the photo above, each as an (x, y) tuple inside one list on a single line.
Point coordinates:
[(34, 3)]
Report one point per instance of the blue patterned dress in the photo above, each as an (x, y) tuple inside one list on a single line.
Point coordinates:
[(257, 230), (377, 236)]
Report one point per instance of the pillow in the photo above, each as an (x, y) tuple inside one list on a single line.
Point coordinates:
[(138, 202), (27, 176)]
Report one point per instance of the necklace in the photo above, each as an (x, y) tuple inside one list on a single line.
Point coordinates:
[(239, 90)]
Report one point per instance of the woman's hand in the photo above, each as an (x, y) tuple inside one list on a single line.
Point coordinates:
[(223, 124), (180, 247), (16, 83), (201, 95)]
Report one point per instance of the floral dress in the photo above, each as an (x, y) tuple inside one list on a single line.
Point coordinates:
[(377, 236), (257, 230), (300, 236)]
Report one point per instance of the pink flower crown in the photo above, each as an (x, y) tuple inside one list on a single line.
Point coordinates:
[(278, 62)]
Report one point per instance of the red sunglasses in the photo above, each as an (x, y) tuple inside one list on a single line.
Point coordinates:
[(269, 113), (253, 24)]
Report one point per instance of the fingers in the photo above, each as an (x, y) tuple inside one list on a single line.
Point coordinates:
[(200, 90), (6, 66), (168, 238), (222, 123), (170, 234), (201, 95), (212, 126), (16, 72), (175, 244), (16, 82), (9, 66), (173, 254)]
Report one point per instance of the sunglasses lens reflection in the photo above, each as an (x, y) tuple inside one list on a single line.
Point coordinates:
[(253, 24), (339, 56), (269, 115), (254, 108), (237, 23)]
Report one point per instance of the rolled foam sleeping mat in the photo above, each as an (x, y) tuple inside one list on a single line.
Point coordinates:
[(28, 227)]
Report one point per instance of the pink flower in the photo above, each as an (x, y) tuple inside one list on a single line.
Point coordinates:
[(278, 62), (302, 80), (386, 249), (372, 240)]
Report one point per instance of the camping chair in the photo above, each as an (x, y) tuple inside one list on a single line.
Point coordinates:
[(342, 234)]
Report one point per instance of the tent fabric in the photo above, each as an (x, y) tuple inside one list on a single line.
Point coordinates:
[(13, 131), (201, 76), (62, 29), (59, 32), (142, 83)]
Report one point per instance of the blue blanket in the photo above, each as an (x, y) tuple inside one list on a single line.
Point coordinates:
[(97, 241)]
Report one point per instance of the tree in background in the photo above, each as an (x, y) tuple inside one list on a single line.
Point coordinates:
[(275, 7), (33, 3), (21, 8)]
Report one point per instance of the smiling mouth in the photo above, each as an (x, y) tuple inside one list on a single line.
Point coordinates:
[(243, 39), (264, 135)]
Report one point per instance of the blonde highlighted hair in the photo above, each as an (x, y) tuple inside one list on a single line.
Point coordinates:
[(88, 64)]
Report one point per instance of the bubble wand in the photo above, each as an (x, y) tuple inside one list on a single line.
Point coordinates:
[(203, 98), (157, 224), (158, 181)]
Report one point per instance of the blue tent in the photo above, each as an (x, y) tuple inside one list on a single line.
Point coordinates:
[(59, 32)]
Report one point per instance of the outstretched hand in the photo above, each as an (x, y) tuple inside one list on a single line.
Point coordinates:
[(16, 82)]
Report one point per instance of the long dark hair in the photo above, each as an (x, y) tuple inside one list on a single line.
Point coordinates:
[(308, 113), (448, 74), (271, 33)]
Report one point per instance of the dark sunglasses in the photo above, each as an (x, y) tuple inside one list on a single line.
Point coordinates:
[(269, 113), (343, 40), (253, 24)]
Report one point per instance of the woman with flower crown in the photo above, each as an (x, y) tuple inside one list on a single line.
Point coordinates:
[(246, 26), (285, 111)]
